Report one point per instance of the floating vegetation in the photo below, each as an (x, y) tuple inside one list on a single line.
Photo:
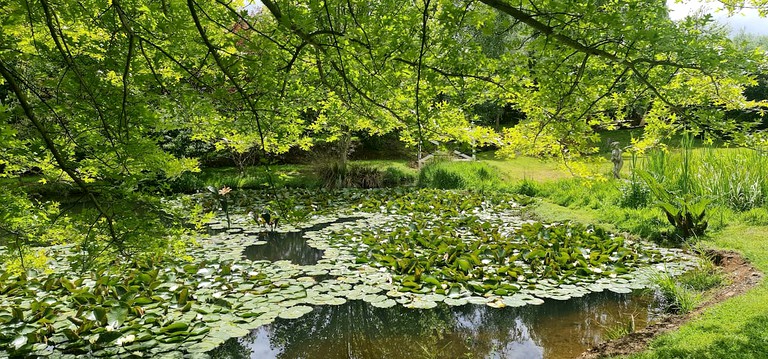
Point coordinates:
[(416, 249)]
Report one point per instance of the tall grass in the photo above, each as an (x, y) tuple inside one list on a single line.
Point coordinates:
[(679, 298), (462, 175), (734, 178)]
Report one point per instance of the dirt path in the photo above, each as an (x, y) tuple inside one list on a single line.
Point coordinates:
[(742, 277)]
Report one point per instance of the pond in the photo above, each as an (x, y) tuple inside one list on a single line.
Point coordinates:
[(403, 273), (555, 329)]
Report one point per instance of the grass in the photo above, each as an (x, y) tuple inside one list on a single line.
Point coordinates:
[(458, 174), (736, 328), (526, 168), (254, 177), (678, 297), (620, 329)]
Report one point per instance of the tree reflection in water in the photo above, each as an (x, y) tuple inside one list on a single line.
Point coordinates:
[(556, 329), (290, 246), (284, 246)]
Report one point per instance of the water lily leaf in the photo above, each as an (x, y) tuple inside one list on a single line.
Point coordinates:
[(514, 302), (620, 289), (19, 342), (183, 294), (174, 327), (534, 301), (116, 316), (295, 312), (142, 301), (372, 298), (477, 300), (203, 347), (421, 304), (387, 303), (496, 304), (336, 301), (455, 301)]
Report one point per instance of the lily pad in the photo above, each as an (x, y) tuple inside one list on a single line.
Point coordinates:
[(295, 312)]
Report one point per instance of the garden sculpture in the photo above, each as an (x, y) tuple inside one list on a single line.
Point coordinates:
[(617, 160)]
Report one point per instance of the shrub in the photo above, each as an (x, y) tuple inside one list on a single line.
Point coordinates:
[(394, 177), (527, 188), (360, 176), (634, 194)]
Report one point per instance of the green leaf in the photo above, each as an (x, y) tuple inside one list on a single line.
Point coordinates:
[(174, 327)]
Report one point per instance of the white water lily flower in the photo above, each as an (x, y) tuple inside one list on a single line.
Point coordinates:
[(126, 339)]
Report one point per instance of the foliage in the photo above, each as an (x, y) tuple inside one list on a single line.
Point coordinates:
[(706, 275), (735, 178), (634, 194), (678, 298), (395, 177), (619, 329), (684, 211), (461, 175), (335, 174), (221, 196), (440, 178), (92, 91), (579, 192), (527, 188)]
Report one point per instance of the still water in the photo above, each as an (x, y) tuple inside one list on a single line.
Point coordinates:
[(555, 329)]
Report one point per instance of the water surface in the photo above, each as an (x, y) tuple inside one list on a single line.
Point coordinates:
[(554, 330)]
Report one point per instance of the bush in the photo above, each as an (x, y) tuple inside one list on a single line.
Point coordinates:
[(360, 176), (527, 188), (440, 178), (634, 194), (394, 177)]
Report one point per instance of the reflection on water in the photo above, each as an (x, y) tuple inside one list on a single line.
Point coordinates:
[(556, 329), (289, 246)]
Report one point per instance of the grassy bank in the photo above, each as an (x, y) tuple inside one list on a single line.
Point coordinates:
[(736, 328)]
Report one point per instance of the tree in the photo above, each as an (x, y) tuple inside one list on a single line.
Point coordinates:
[(90, 87)]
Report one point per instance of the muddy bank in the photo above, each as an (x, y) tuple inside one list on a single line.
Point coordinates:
[(741, 277)]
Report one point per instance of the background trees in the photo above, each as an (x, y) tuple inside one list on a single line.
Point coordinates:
[(91, 89)]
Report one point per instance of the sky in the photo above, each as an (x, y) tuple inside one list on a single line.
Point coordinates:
[(747, 20)]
